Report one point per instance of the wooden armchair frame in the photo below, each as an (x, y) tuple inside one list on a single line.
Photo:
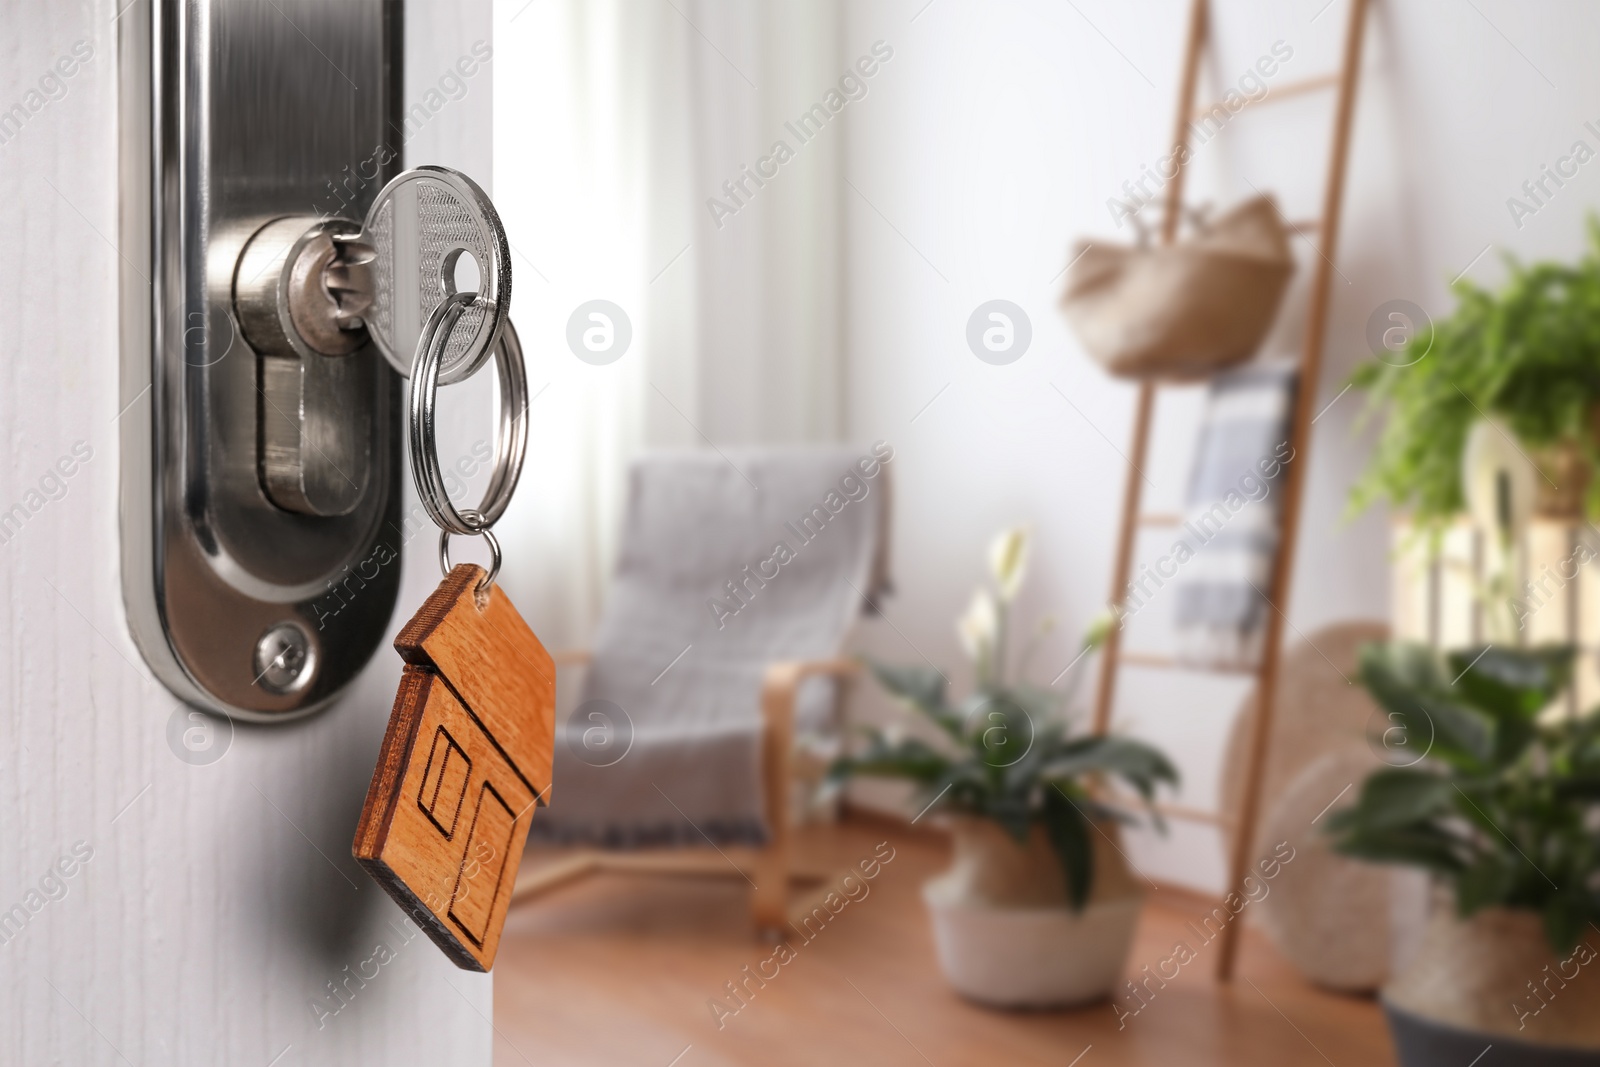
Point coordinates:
[(770, 868)]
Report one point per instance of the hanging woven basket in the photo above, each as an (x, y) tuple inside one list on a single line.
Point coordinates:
[(1186, 310)]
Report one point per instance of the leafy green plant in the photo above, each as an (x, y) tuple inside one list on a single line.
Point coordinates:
[(1505, 806), (1005, 752), (1529, 355)]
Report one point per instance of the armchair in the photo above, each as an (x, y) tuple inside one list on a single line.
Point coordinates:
[(737, 583)]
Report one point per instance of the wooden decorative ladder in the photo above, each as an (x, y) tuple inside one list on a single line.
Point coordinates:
[(1310, 366)]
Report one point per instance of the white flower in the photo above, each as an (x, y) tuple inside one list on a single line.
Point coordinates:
[(1008, 561), (979, 627), (1099, 629)]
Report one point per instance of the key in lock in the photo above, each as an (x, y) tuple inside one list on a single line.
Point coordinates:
[(313, 296)]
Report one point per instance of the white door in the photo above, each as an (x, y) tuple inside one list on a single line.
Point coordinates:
[(159, 905)]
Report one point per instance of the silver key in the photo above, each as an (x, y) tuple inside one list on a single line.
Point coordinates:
[(408, 257)]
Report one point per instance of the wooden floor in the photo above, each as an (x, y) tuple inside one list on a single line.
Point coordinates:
[(619, 970)]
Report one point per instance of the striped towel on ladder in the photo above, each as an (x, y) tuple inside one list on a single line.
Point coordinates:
[(1233, 515)]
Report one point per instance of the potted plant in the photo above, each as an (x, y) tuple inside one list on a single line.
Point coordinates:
[(1039, 907), (1527, 356), (1498, 795)]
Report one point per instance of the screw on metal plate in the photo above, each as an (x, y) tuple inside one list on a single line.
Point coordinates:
[(284, 659)]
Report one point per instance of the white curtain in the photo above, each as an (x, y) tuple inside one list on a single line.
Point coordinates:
[(616, 121), (770, 274)]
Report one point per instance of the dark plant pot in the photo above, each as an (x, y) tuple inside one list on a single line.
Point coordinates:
[(1420, 1042)]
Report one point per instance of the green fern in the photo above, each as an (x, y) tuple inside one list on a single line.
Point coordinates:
[(1529, 355)]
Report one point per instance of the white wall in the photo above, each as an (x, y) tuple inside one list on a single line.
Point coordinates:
[(994, 139), (218, 899)]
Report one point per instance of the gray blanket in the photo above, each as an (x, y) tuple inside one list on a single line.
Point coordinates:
[(1233, 515), (726, 565)]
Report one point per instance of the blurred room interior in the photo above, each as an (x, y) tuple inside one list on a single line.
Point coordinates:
[(1064, 530), (798, 276)]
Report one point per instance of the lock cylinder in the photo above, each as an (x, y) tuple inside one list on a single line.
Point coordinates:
[(299, 298), (283, 288)]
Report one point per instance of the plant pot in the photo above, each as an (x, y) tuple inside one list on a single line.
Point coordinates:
[(1004, 932), (1472, 985), (1420, 1042), (1563, 481)]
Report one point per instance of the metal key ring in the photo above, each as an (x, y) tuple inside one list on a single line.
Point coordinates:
[(494, 555), (511, 436)]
